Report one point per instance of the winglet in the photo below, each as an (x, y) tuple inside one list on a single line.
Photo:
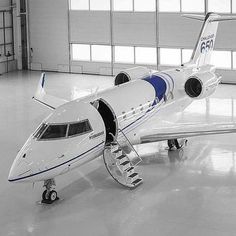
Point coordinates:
[(40, 89), (47, 100), (43, 79)]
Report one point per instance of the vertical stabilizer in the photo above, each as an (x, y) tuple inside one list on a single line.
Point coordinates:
[(205, 44), (206, 40)]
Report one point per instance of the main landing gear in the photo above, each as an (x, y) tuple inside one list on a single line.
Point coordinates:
[(49, 196), (174, 144)]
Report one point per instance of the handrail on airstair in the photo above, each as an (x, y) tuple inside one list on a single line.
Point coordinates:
[(113, 136), (130, 145), (129, 142), (120, 165)]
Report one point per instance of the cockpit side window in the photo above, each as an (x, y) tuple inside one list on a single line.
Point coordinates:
[(79, 128), (40, 130), (54, 132)]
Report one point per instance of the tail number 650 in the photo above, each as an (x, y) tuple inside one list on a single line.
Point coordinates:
[(207, 45)]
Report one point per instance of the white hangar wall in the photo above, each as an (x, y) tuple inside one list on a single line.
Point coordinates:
[(7, 63), (95, 28), (54, 29), (48, 34), (176, 31)]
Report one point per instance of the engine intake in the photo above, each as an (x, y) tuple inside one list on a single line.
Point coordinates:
[(193, 87), (201, 85), (132, 74)]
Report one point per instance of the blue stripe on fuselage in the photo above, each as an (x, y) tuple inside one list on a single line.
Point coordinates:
[(159, 85)]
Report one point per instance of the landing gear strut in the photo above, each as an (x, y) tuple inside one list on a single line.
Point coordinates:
[(49, 196), (174, 144)]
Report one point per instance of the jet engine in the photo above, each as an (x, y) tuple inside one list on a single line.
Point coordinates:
[(201, 85), (135, 73)]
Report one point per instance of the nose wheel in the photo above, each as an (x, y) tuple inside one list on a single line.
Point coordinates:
[(49, 195)]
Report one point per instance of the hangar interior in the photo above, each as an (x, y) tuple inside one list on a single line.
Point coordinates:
[(81, 45)]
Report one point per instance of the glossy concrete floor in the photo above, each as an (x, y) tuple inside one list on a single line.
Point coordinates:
[(191, 192)]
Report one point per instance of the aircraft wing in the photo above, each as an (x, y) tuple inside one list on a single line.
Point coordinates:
[(43, 98), (186, 131), (203, 117)]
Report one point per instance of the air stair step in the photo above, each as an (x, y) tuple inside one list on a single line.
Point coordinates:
[(130, 170), (114, 148), (117, 151), (133, 175), (121, 157), (125, 165), (137, 181), (121, 166)]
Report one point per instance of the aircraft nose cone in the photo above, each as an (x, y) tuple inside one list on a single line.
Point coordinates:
[(11, 175), (19, 171)]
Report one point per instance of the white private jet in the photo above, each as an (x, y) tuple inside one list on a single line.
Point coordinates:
[(134, 111)]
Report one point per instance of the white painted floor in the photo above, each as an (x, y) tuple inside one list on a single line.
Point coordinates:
[(191, 192)]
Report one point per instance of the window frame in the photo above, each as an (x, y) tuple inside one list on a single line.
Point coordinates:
[(229, 11), (221, 67), (53, 124), (233, 58), (123, 61), (123, 10), (70, 6), (161, 53), (35, 134), (76, 122), (93, 46), (135, 10), (108, 1), (193, 11), (136, 56), (67, 130), (170, 11), (72, 52)]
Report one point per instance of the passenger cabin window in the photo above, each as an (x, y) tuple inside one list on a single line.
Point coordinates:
[(79, 128), (54, 132)]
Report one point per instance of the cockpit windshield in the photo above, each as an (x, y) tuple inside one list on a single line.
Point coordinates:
[(58, 131), (79, 128), (54, 131)]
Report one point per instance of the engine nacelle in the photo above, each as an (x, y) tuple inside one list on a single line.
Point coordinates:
[(201, 85), (135, 73)]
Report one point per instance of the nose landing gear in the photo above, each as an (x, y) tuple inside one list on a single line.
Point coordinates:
[(49, 196)]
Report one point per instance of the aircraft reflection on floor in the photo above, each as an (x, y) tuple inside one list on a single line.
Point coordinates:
[(162, 155)]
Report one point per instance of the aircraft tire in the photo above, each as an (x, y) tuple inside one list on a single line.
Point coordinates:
[(44, 195), (52, 195)]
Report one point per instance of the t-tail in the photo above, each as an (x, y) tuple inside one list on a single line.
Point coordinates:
[(206, 40)]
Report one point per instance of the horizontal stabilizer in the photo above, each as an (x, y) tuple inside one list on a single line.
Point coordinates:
[(194, 16), (224, 18), (214, 19), (47, 100)]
